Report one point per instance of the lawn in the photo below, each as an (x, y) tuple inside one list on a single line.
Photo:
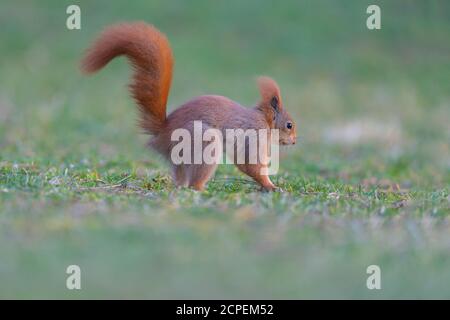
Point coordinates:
[(367, 183)]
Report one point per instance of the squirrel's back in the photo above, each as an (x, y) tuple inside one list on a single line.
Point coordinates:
[(215, 111), (151, 57)]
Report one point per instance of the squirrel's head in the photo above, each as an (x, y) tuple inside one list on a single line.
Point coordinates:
[(272, 106)]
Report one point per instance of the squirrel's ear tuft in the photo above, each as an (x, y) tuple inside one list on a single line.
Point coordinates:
[(270, 93)]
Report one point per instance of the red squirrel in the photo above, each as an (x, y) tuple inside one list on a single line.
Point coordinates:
[(150, 54)]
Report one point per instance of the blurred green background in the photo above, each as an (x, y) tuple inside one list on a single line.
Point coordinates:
[(367, 184)]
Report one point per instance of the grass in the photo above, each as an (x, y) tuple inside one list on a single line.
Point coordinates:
[(368, 183)]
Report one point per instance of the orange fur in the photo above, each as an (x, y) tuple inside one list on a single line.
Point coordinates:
[(151, 56), (268, 89)]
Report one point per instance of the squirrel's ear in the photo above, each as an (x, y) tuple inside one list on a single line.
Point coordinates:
[(270, 93)]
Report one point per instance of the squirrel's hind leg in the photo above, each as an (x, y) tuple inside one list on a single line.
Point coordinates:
[(199, 174), (179, 175)]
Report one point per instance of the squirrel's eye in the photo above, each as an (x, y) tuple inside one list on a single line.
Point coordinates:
[(289, 125)]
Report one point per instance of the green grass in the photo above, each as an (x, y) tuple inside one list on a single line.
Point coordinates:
[(367, 184)]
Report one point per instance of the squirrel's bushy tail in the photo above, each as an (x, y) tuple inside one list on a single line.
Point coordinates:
[(151, 57)]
